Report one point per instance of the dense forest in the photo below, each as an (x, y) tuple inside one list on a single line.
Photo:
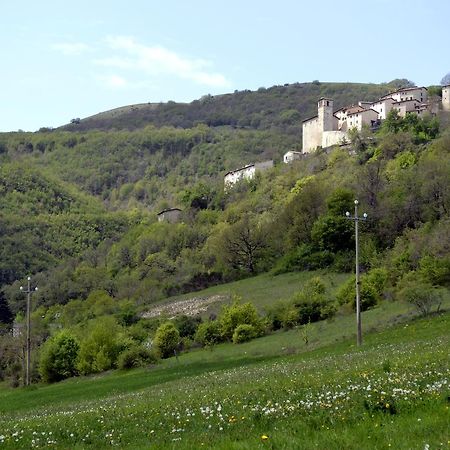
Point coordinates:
[(78, 208)]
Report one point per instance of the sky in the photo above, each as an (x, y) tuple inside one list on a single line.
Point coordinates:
[(61, 60)]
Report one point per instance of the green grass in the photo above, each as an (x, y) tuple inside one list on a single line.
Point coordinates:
[(263, 290), (300, 396)]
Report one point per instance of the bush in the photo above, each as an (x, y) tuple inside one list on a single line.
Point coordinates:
[(58, 357), (209, 333), (136, 356), (367, 293), (101, 347), (244, 333), (186, 325), (239, 314), (304, 258), (167, 339), (422, 295)]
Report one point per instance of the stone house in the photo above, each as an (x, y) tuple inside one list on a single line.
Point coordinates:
[(291, 156), (247, 172), (171, 215)]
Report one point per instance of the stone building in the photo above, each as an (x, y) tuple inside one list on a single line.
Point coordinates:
[(446, 98), (171, 215), (247, 172), (291, 156), (330, 128)]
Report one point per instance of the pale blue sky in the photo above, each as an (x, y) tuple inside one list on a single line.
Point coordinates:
[(61, 60)]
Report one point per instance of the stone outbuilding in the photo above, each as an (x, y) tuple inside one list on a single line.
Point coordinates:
[(245, 173), (171, 215), (291, 156)]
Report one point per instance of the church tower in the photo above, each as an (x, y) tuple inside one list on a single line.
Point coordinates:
[(325, 114), (446, 98)]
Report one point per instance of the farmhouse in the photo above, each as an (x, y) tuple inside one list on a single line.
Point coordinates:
[(171, 215), (247, 172), (290, 156), (330, 128)]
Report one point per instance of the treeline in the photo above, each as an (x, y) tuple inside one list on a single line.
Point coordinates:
[(279, 107)]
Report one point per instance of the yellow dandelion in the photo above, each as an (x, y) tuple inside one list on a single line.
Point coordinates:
[(387, 405), (264, 437)]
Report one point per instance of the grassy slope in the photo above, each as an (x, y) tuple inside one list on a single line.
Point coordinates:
[(275, 370), (262, 290)]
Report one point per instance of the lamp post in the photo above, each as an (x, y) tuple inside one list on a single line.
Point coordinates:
[(356, 219), (29, 291)]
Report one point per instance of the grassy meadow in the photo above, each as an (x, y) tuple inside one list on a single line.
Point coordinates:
[(262, 290), (274, 392)]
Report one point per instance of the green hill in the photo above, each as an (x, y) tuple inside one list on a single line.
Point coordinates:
[(281, 107)]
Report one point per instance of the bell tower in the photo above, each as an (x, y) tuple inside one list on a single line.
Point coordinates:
[(325, 114)]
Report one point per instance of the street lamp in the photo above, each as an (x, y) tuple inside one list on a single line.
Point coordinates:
[(356, 219), (29, 291)]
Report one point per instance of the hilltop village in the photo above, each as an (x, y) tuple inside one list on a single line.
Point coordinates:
[(329, 128)]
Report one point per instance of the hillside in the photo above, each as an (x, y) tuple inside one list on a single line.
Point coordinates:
[(276, 391), (279, 107), (78, 214)]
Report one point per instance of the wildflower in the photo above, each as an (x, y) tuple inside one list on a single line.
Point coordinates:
[(264, 437)]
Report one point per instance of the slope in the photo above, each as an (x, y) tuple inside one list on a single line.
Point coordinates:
[(283, 107)]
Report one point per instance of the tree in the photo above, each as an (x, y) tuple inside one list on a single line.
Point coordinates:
[(244, 244), (101, 347), (58, 357), (6, 315), (445, 79), (167, 339)]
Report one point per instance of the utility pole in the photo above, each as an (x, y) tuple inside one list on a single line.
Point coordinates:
[(28, 355), (356, 219)]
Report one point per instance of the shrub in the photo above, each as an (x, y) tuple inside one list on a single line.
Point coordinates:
[(209, 333), (135, 356), (58, 357), (167, 339), (422, 295), (244, 333), (239, 314), (305, 257), (187, 326), (290, 318), (308, 308), (101, 347), (367, 294)]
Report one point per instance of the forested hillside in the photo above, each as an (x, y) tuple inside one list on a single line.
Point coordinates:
[(279, 107), (78, 210)]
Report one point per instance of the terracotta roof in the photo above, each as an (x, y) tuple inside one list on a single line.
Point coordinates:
[(383, 99), (363, 111), (408, 100), (349, 108)]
